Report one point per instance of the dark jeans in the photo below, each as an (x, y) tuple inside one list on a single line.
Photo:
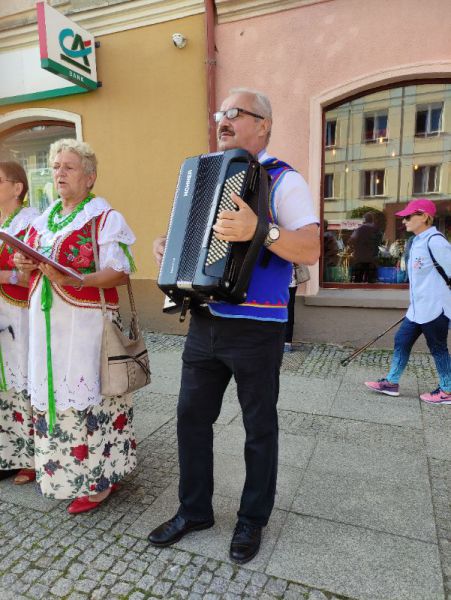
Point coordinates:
[(436, 334), (290, 322), (216, 350), (364, 272)]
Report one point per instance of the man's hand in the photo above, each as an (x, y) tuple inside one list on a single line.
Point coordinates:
[(236, 226), (158, 249)]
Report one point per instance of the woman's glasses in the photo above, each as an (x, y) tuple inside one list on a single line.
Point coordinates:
[(415, 214), (3, 179)]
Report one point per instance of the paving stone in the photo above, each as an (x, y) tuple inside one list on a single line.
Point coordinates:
[(198, 588), (140, 565), (172, 573), (85, 585), (182, 558), (121, 589), (32, 575), (77, 596), (276, 586), (146, 582), (317, 595), (218, 585), (136, 596), (109, 579), (205, 577), (236, 587), (76, 570), (62, 587), (179, 593), (162, 588), (100, 593), (185, 582), (259, 579), (119, 567), (103, 562)]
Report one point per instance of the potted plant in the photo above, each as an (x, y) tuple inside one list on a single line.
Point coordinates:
[(388, 260)]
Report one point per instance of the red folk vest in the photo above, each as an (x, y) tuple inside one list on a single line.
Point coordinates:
[(74, 250), (13, 294)]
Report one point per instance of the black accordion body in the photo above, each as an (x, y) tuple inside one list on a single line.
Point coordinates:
[(196, 266)]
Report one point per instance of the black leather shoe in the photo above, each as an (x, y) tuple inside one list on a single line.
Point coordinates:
[(245, 543), (173, 530)]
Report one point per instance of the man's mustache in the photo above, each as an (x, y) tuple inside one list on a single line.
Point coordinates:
[(226, 130)]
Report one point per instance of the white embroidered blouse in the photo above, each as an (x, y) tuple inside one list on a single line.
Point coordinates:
[(76, 331)]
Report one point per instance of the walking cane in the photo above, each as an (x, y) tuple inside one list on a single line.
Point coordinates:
[(345, 362)]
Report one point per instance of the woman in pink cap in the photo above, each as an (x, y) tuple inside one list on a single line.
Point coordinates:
[(429, 269)]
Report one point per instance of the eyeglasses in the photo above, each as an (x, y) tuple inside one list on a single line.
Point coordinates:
[(415, 214), (2, 179), (232, 113)]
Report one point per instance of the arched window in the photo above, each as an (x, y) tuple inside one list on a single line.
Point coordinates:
[(27, 141), (380, 151)]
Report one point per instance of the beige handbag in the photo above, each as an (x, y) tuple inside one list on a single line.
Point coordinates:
[(301, 273), (124, 361)]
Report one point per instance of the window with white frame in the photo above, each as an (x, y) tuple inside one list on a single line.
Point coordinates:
[(426, 179), (375, 127), (428, 120), (329, 186), (373, 182), (331, 133)]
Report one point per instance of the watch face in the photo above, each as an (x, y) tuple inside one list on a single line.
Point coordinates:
[(274, 233)]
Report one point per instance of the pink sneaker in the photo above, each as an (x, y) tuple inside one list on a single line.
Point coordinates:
[(438, 396), (383, 387)]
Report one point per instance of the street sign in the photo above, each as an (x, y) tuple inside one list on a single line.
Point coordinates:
[(66, 49)]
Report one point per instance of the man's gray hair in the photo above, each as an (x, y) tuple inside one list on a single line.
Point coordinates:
[(84, 151), (261, 104)]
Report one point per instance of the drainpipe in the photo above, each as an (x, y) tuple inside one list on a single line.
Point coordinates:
[(211, 72)]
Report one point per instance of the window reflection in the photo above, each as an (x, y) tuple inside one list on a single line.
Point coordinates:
[(381, 150), (29, 145)]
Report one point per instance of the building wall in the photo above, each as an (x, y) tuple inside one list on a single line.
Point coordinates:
[(302, 54), (148, 116), (314, 55)]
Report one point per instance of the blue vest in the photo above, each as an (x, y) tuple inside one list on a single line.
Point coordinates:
[(267, 295)]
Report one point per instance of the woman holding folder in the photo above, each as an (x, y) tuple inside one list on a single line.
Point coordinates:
[(84, 442), (16, 425)]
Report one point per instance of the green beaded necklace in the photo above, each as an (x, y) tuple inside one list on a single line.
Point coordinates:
[(56, 212), (8, 221)]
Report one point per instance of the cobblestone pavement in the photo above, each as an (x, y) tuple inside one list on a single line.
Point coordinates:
[(46, 553)]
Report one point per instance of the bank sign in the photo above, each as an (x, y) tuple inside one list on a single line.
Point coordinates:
[(66, 49)]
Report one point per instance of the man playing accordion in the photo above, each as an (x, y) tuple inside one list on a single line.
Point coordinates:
[(241, 340)]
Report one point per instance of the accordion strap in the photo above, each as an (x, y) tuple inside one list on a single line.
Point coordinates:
[(134, 325)]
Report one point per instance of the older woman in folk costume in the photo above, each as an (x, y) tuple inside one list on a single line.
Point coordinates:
[(84, 442), (16, 426)]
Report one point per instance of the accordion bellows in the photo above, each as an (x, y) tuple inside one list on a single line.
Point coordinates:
[(196, 265)]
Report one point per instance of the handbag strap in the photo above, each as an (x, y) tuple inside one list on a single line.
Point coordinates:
[(439, 268), (134, 323)]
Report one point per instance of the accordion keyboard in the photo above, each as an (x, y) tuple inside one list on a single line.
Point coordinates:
[(218, 248)]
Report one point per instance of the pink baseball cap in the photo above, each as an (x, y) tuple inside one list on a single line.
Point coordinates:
[(421, 205)]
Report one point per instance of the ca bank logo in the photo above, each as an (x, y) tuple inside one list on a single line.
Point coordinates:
[(75, 50)]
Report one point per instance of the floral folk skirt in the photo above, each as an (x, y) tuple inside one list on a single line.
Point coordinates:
[(88, 450), (16, 431)]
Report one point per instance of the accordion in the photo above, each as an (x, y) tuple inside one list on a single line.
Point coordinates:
[(196, 266)]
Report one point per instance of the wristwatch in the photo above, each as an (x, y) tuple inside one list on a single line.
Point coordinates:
[(13, 278), (272, 235)]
